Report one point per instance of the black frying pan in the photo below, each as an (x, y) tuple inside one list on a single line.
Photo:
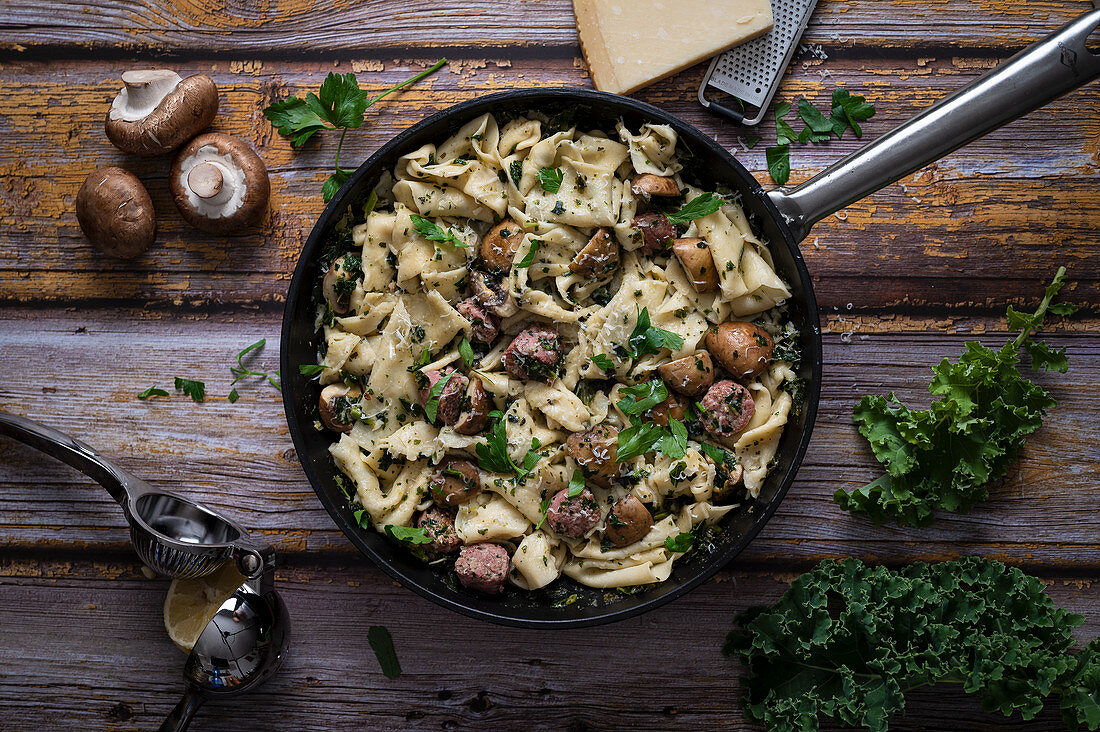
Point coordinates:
[(783, 217)]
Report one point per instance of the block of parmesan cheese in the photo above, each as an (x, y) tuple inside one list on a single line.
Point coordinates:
[(632, 43)]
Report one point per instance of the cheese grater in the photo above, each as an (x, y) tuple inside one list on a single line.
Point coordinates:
[(752, 71)]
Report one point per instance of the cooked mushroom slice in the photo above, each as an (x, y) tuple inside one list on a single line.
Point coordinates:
[(656, 230), (115, 213), (696, 259), (690, 375), (600, 257), (500, 244), (628, 521), (335, 406), (219, 184), (595, 451), (729, 483), (743, 349), (648, 184), (673, 407), (492, 295), (475, 410), (157, 111), (454, 482), (339, 282)]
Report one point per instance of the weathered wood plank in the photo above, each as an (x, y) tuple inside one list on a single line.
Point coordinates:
[(330, 26), (239, 458), (105, 617), (966, 232)]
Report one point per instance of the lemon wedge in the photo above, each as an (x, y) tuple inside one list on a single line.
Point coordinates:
[(191, 603)]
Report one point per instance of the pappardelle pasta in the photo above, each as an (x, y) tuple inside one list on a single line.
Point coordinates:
[(546, 353)]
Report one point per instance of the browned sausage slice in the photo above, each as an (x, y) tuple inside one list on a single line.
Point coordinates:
[(485, 327), (440, 528), (657, 232), (534, 354), (729, 409), (573, 517), (483, 567), (450, 399)]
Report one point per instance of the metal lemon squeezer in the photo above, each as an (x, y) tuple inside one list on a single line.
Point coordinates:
[(246, 640)]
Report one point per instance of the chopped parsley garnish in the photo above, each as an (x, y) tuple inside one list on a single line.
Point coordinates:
[(696, 208), (310, 369), (466, 351), (339, 105), (515, 169), (576, 484), (233, 396), (550, 179), (492, 455), (679, 543), (431, 407), (642, 397), (647, 339), (382, 644), (194, 389), (152, 391), (847, 111), (434, 232), (718, 455), (674, 444), (529, 258), (408, 534), (240, 370), (603, 362)]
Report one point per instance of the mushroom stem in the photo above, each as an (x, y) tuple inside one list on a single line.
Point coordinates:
[(145, 89), (205, 180)]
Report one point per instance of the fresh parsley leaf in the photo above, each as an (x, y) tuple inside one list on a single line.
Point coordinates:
[(293, 118), (752, 141), (233, 396), (194, 389), (431, 407), (550, 179), (813, 117), (152, 391), (849, 110), (543, 506), (332, 184), (466, 351), (529, 257), (847, 641), (784, 133), (781, 109), (362, 518), (382, 644), (605, 363), (492, 455), (433, 232), (638, 439), (310, 369), (407, 534), (340, 102), (944, 458), (674, 444), (779, 163), (647, 339), (679, 543), (702, 205), (716, 454), (530, 458), (642, 397), (576, 484)]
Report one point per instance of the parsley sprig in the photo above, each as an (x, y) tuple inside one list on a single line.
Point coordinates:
[(240, 371), (945, 457), (647, 339), (492, 455), (847, 111), (702, 205), (847, 641), (550, 179), (339, 105), (434, 232)]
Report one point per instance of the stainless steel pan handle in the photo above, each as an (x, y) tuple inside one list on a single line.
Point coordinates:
[(1032, 78)]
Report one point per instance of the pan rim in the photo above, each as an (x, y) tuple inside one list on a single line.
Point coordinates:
[(748, 185)]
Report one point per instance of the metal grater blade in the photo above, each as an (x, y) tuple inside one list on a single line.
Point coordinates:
[(752, 71)]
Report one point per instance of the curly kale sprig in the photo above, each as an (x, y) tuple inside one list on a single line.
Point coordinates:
[(945, 457), (847, 641)]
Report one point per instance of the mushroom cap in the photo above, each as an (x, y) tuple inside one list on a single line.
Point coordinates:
[(188, 107), (241, 193), (115, 213)]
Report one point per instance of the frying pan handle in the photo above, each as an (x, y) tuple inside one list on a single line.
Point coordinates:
[(1032, 78), (119, 483)]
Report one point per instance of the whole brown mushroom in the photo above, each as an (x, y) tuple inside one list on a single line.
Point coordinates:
[(698, 263), (157, 111), (334, 406), (115, 213), (628, 521), (690, 376), (500, 244), (743, 349), (219, 184)]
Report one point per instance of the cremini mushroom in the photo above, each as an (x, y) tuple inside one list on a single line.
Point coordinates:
[(219, 184), (628, 521), (729, 482), (500, 244), (743, 349), (157, 111), (115, 213), (690, 376), (696, 259), (595, 451), (492, 294), (475, 408), (648, 184), (334, 406), (454, 482), (599, 258), (671, 408)]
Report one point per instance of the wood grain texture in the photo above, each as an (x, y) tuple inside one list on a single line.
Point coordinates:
[(970, 231), (661, 671), (334, 26), (239, 458)]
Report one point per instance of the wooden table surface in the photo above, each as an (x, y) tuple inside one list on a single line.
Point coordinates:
[(904, 278)]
